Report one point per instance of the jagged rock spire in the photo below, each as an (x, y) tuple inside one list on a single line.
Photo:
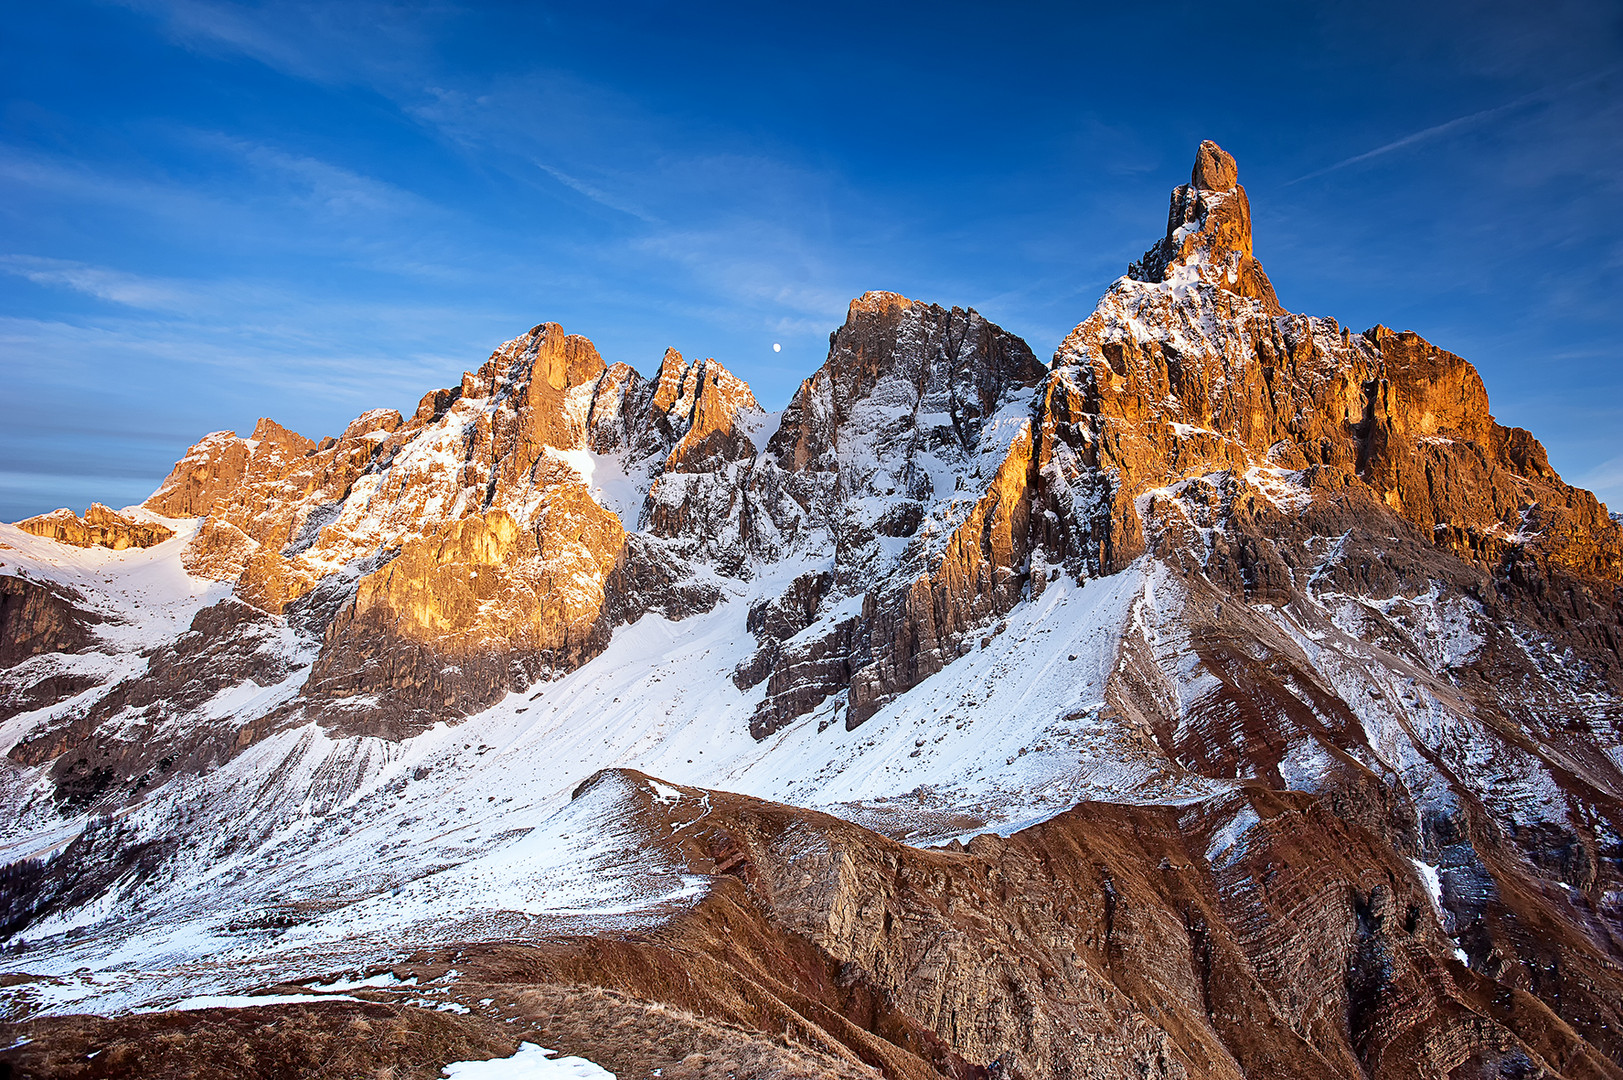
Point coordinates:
[(1214, 169), (1208, 236)]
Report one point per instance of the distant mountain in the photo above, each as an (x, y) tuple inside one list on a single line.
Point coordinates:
[(1231, 696)]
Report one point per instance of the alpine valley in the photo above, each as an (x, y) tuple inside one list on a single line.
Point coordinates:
[(1230, 696)]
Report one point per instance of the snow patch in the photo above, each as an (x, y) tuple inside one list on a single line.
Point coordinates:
[(609, 482), (244, 1001), (531, 1062), (1227, 846), (1433, 881)]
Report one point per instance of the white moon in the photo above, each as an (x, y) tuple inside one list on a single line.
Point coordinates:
[(776, 347)]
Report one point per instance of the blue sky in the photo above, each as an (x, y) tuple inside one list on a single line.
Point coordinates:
[(211, 211)]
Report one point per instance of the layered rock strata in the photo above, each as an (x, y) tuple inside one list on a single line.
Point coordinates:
[(1258, 936)]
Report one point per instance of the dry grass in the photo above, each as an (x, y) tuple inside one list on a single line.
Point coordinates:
[(641, 1040), (635, 1039), (330, 1041)]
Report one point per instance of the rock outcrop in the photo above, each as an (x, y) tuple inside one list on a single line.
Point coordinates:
[(100, 527), (38, 618), (217, 465), (1209, 234)]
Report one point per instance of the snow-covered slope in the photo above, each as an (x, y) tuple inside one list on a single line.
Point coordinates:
[(467, 831)]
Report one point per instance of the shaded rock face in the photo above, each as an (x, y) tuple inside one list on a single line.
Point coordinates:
[(146, 729), (892, 435), (626, 1034), (100, 527), (908, 451), (38, 621), (686, 442), (38, 618), (267, 1043)]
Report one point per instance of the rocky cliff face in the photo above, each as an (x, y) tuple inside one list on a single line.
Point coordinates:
[(448, 558), (1308, 671), (899, 455), (1208, 236), (100, 527)]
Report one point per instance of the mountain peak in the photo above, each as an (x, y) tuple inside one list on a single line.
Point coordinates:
[(1208, 237), (875, 301), (1214, 169)]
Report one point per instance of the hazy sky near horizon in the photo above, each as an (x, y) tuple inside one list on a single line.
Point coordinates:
[(215, 211)]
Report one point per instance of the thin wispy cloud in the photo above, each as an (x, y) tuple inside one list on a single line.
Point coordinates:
[(596, 194), (130, 290), (328, 186), (1458, 124), (239, 189), (1606, 481), (355, 42), (221, 25), (746, 232)]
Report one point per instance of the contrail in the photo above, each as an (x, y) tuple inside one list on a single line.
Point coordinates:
[(1459, 122), (597, 195)]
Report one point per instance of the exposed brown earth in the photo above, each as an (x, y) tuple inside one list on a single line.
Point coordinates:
[(1102, 943), (379, 1040), (337, 1039)]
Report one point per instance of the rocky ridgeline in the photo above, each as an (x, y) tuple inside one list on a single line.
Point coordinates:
[(503, 531), (1375, 614), (933, 468), (936, 464), (450, 557), (100, 527)]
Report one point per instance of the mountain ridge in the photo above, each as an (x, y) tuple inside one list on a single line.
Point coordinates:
[(1218, 573)]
